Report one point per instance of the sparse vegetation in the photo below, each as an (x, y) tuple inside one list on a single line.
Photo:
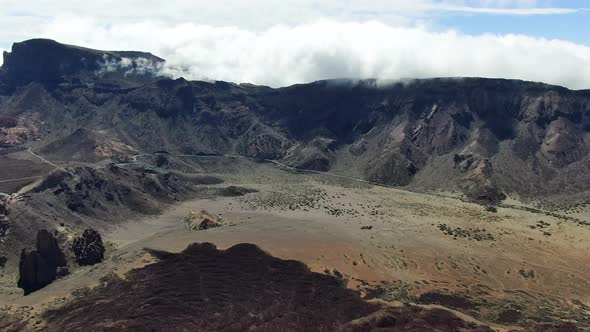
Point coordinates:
[(470, 233), (399, 292)]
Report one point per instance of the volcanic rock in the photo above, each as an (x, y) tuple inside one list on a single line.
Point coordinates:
[(403, 133), (88, 248), (87, 145), (4, 202), (201, 220), (39, 267), (3, 209), (51, 63), (48, 247), (4, 227), (235, 191), (241, 288)]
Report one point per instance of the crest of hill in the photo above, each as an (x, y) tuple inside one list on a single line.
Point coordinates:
[(49, 62), (487, 138), (87, 145)]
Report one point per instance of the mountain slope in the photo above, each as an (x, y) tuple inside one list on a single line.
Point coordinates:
[(484, 137), (240, 288)]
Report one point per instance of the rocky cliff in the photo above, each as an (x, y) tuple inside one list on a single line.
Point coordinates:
[(485, 137)]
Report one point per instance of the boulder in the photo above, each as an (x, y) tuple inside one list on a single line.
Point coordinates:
[(49, 249), (201, 220), (88, 248), (4, 201), (3, 209), (4, 227), (34, 272), (234, 191), (39, 267)]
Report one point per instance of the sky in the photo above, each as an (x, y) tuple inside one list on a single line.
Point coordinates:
[(280, 43)]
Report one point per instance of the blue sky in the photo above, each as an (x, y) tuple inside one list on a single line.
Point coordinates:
[(468, 16), (574, 27), (260, 41)]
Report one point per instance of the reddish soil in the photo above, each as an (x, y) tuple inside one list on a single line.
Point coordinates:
[(238, 289)]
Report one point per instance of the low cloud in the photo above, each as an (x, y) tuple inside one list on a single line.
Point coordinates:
[(284, 55), (128, 66)]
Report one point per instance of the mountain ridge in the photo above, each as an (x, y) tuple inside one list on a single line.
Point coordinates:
[(49, 62), (484, 137), (99, 142)]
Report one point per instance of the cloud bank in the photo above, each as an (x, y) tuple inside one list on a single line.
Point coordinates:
[(285, 55), (298, 41), (132, 66)]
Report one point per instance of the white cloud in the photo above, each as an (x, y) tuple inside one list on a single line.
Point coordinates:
[(139, 66), (297, 41), (510, 11), (285, 55), (255, 14)]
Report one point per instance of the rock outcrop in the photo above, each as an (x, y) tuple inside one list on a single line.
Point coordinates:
[(41, 266), (4, 222), (87, 145), (4, 227), (3, 209), (193, 290), (49, 62), (5, 200), (533, 135), (88, 248), (197, 221)]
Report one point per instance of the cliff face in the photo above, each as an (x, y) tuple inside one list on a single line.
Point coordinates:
[(51, 63), (41, 266), (486, 137)]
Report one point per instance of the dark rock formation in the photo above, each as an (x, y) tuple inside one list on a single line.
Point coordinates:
[(34, 272), (238, 289), (49, 249), (201, 220), (314, 156), (4, 227), (39, 267), (487, 137), (86, 145), (49, 62), (125, 191), (88, 248), (3, 209), (413, 318), (235, 191)]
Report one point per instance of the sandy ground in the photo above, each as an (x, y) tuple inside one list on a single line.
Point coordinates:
[(416, 241), (18, 170)]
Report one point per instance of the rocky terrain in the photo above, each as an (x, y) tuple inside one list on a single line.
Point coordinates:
[(240, 288), (487, 138), (440, 204), (41, 266)]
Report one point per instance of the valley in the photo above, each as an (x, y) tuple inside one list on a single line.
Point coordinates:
[(343, 205), (379, 240)]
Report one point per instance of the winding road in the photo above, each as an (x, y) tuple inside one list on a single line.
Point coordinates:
[(284, 166), (45, 160), (135, 158), (19, 179)]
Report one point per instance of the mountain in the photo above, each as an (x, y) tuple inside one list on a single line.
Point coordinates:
[(485, 137), (86, 145), (100, 142), (263, 292), (51, 63)]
